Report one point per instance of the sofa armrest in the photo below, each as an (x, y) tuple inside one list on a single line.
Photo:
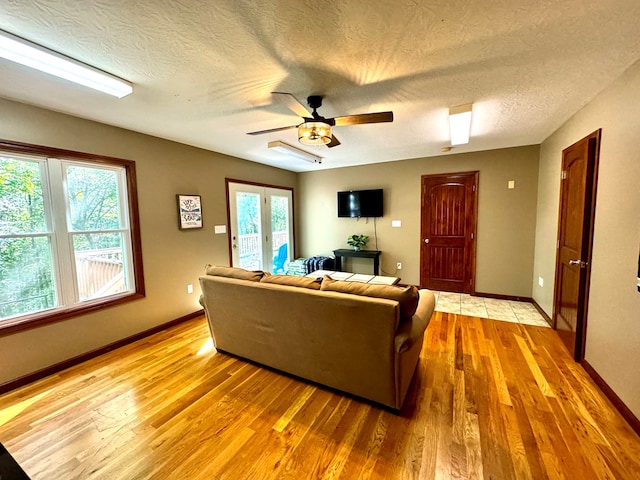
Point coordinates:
[(412, 329)]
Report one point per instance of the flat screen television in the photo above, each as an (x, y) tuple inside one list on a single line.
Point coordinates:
[(360, 203)]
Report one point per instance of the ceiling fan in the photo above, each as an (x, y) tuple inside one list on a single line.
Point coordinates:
[(315, 129)]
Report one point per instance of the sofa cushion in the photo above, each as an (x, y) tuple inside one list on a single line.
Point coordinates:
[(293, 281), (233, 272), (407, 297)]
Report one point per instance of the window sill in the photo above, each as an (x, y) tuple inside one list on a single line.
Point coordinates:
[(27, 322)]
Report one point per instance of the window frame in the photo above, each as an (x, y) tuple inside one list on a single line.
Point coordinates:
[(28, 321)]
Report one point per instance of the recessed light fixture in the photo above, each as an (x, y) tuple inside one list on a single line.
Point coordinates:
[(34, 56), (460, 124), (292, 151)]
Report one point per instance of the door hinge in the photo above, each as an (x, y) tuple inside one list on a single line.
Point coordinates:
[(564, 174), (474, 188), (472, 236)]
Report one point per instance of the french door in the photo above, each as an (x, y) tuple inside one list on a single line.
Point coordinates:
[(261, 226)]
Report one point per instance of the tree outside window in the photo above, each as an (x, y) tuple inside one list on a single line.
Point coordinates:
[(62, 242)]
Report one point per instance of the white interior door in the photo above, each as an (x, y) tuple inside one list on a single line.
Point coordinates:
[(261, 227)]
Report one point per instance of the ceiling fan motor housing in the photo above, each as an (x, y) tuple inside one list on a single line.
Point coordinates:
[(314, 101)]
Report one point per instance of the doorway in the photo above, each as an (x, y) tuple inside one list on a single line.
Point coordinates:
[(261, 226), (575, 241), (448, 230)]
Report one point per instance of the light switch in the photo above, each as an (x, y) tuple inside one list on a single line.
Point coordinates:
[(512, 184), (396, 223), (220, 229)]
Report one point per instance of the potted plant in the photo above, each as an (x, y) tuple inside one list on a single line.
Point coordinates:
[(357, 241)]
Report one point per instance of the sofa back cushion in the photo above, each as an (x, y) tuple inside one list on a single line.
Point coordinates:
[(407, 297), (292, 281), (233, 272)]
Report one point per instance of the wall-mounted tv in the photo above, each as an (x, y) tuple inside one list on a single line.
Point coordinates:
[(360, 203)]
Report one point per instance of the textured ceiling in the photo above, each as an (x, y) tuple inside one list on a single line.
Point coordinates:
[(203, 71)]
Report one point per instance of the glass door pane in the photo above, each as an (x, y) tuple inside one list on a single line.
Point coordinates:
[(248, 238), (280, 232)]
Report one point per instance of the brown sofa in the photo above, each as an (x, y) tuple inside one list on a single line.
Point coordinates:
[(353, 342)]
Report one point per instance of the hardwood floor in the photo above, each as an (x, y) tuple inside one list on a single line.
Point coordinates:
[(490, 399)]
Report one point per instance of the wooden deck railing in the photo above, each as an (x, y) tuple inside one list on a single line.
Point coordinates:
[(99, 272), (250, 249)]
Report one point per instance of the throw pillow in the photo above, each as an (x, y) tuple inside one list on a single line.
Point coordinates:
[(407, 297), (292, 281), (233, 272)]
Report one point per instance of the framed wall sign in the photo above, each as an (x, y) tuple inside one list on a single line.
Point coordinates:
[(189, 211)]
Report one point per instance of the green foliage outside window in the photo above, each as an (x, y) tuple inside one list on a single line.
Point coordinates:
[(248, 213), (21, 200), (93, 202), (27, 280), (279, 214), (26, 276)]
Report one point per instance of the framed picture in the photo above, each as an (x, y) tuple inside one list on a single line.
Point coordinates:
[(189, 211)]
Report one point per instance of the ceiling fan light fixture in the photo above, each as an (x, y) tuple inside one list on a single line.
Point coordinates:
[(314, 133), (460, 124), (39, 58)]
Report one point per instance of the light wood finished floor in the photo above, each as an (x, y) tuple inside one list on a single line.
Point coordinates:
[(490, 399)]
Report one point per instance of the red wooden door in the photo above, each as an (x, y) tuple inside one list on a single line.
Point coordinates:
[(575, 229), (447, 255)]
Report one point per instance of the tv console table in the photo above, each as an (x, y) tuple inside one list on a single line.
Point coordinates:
[(346, 252)]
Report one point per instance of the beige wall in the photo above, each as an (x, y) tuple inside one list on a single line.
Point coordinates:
[(506, 218), (172, 258), (613, 326)]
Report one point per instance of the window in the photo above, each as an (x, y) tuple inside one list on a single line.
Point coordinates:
[(68, 234)]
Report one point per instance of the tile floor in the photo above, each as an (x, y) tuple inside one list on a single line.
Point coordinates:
[(506, 310)]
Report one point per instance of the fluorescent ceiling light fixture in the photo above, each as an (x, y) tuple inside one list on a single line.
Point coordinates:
[(292, 151), (460, 124), (31, 55)]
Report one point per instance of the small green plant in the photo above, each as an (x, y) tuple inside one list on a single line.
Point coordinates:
[(357, 241)]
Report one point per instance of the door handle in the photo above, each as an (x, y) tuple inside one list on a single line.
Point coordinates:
[(578, 262), (426, 240)]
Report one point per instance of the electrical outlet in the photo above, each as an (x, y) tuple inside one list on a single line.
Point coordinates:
[(189, 288), (399, 265)]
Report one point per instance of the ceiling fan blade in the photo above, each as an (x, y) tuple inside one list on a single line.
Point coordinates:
[(379, 117), (292, 103), (334, 142), (279, 129)]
